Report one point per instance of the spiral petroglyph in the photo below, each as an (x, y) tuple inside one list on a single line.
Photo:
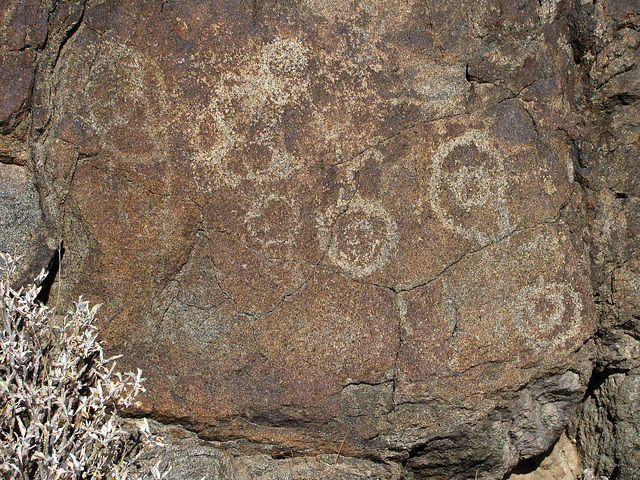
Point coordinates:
[(468, 186)]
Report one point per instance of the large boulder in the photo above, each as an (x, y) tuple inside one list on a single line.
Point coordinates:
[(325, 226)]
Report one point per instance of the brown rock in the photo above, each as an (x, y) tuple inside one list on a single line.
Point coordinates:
[(314, 224)]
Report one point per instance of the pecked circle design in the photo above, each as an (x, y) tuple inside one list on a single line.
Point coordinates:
[(364, 239), (468, 188), (548, 314)]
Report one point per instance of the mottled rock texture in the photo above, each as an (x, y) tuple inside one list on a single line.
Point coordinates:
[(369, 227), (608, 50), (189, 457), (21, 220), (24, 228), (563, 463)]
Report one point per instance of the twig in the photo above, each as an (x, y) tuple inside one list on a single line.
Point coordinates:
[(333, 471), (59, 274)]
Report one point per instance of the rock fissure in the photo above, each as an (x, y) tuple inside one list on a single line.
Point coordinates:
[(68, 34), (315, 265), (400, 132), (462, 257), (533, 120)]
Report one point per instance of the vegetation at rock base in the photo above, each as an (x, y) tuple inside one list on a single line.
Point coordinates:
[(59, 395)]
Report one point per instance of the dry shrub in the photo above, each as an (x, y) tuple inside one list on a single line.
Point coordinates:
[(59, 396)]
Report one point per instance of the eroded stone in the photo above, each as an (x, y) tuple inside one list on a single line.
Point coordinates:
[(313, 224)]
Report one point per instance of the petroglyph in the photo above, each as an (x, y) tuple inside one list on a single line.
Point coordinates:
[(548, 314), (259, 93), (548, 311), (285, 204), (122, 92), (467, 186), (272, 224), (365, 237)]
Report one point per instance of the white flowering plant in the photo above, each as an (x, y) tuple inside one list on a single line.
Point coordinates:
[(59, 395)]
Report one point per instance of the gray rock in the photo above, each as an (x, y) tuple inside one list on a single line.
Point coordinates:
[(607, 43), (186, 457), (21, 222)]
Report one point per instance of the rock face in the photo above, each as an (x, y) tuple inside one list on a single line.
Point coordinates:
[(609, 158), (23, 228), (336, 226)]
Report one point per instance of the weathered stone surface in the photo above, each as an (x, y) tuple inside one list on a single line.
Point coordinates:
[(322, 225), (190, 457), (21, 222), (608, 42), (17, 69), (23, 229), (16, 82), (23, 29)]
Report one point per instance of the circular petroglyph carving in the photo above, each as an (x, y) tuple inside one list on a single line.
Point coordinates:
[(124, 90), (261, 91), (273, 223), (364, 238), (548, 314), (468, 185)]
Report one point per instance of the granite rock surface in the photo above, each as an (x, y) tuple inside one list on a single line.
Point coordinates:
[(609, 161), (370, 227)]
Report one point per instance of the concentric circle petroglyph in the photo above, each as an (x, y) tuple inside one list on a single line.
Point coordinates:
[(548, 314), (467, 187), (364, 238)]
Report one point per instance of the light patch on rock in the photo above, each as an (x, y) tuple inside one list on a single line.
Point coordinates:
[(475, 186), (263, 89), (563, 463), (545, 307), (364, 239)]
